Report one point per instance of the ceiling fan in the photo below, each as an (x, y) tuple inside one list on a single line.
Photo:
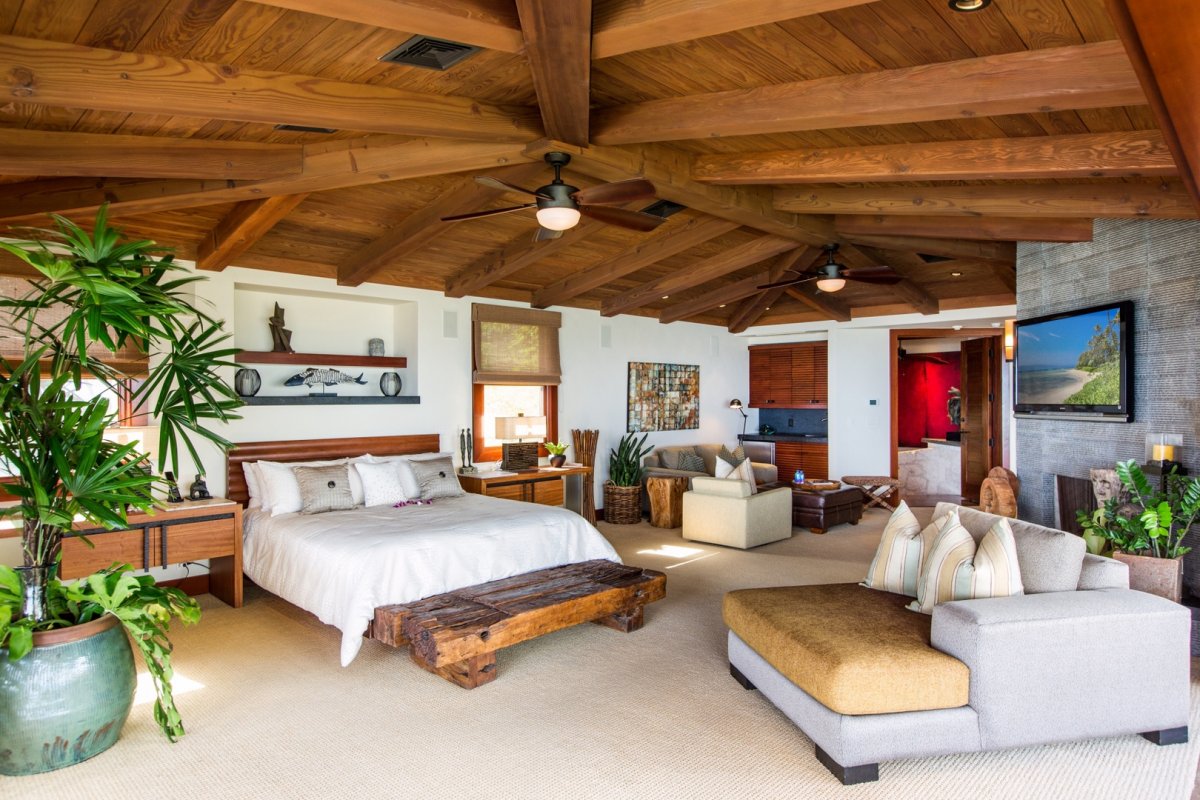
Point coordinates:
[(832, 276), (560, 205)]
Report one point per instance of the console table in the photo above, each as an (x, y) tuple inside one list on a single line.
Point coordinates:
[(187, 531), (561, 486)]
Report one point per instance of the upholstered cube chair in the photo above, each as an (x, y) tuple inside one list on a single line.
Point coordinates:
[(721, 511)]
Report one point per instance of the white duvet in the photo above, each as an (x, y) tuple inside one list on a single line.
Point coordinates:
[(342, 564)]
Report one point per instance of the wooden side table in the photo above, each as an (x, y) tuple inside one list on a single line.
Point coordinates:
[(552, 486), (666, 500), (877, 489)]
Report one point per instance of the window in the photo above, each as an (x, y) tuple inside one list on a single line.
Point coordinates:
[(515, 371)]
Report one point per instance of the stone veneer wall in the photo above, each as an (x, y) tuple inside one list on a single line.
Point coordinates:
[(1156, 264)]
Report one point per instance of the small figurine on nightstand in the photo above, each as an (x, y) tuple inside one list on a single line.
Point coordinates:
[(199, 490), (173, 495)]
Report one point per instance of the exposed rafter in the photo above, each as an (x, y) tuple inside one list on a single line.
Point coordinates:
[(999, 252), (673, 237), (820, 301), (51, 74), (1002, 229), (249, 221), (1163, 199), (737, 290), (1119, 154), (483, 23), (668, 169), (1082, 76), (723, 263), (558, 44), (752, 308), (906, 264), (624, 27)]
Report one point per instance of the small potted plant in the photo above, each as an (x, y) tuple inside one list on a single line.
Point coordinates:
[(557, 451), (623, 489)]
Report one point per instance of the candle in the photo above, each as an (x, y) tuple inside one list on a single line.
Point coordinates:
[(1164, 452)]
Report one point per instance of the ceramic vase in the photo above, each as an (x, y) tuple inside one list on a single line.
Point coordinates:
[(390, 383), (247, 382)]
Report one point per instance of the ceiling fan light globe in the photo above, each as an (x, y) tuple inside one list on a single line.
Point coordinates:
[(558, 219), (831, 284)]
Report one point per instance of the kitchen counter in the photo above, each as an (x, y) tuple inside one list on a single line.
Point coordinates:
[(815, 438)]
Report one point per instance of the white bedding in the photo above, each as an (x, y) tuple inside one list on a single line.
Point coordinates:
[(341, 565)]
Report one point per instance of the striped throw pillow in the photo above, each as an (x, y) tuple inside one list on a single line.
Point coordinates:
[(957, 569), (897, 562)]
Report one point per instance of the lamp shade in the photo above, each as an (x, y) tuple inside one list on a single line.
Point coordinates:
[(1009, 340), (735, 403), (516, 428), (831, 284)]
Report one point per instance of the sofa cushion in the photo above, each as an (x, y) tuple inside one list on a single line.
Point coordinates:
[(854, 649), (1050, 560), (669, 456), (690, 462), (897, 562), (955, 568)]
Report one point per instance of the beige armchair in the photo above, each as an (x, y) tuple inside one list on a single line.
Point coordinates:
[(721, 511)]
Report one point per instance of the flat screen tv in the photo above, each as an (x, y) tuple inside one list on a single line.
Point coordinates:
[(1077, 363)]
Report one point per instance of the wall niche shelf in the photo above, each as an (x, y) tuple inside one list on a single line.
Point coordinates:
[(331, 400), (320, 360)]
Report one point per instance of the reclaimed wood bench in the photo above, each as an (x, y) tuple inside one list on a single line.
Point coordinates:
[(456, 634)]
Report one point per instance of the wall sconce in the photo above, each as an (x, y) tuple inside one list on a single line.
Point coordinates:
[(1009, 340)]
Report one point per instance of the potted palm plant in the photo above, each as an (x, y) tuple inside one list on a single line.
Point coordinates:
[(623, 489), (1147, 532), (113, 310)]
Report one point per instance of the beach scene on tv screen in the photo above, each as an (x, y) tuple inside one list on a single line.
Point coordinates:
[(1071, 361)]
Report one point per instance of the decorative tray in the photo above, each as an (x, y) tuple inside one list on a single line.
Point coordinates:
[(818, 486)]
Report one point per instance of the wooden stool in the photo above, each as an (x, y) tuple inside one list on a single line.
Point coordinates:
[(666, 501), (875, 489)]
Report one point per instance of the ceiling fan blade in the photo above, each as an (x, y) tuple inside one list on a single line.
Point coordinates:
[(490, 213), (505, 186), (634, 220), (791, 282), (545, 234), (617, 193)]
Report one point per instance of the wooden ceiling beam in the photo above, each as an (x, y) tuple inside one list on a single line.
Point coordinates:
[(1119, 154), (904, 264), (1160, 37), (72, 76), (737, 290), (1165, 199), (631, 25), (1039, 229), (1006, 274), (1095, 75), (418, 229), (820, 301), (51, 153), (668, 240), (330, 165), (558, 46), (752, 308), (241, 228), (723, 263), (483, 23), (668, 169), (1000, 252)]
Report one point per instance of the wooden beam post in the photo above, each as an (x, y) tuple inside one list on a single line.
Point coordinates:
[(558, 45), (249, 221), (1095, 75), (984, 228)]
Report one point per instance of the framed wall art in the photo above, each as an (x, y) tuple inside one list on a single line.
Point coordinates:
[(663, 397)]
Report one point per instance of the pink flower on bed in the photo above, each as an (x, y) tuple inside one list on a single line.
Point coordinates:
[(417, 502)]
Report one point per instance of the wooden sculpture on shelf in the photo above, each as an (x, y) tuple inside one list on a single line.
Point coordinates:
[(998, 493), (281, 337)]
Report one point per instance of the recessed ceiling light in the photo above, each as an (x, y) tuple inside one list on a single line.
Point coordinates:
[(969, 5), (721, 306), (665, 296), (955, 274), (997, 324)]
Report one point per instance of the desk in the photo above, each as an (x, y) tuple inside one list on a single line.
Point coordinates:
[(549, 486)]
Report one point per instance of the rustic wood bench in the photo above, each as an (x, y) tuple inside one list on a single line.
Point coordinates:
[(456, 634)]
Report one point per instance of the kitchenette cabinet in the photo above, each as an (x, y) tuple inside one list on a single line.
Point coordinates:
[(789, 375), (812, 457)]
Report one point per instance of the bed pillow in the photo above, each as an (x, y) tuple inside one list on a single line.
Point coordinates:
[(958, 569), (408, 479), (436, 478), (381, 483), (281, 490), (253, 485), (324, 489)]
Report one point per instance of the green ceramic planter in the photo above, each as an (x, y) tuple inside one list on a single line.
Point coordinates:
[(68, 699)]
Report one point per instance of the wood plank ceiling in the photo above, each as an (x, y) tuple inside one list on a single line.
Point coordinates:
[(910, 134)]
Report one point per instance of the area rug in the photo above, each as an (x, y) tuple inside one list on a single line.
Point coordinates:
[(582, 713)]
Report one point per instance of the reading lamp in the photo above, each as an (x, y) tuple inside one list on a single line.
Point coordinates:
[(520, 455), (735, 403)]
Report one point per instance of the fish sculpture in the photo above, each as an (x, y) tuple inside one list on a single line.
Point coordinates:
[(322, 377)]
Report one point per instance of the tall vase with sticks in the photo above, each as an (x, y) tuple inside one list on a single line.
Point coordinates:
[(584, 442)]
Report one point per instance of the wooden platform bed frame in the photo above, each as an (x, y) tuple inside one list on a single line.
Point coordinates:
[(456, 634)]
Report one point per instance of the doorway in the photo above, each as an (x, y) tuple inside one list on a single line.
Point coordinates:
[(946, 411)]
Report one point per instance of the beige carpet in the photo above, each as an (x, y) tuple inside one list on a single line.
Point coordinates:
[(583, 713)]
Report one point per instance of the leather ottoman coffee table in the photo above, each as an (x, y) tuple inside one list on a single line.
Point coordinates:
[(821, 510)]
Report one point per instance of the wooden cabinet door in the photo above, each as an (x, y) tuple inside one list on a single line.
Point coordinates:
[(197, 540), (789, 457), (760, 377), (820, 380), (121, 547), (548, 493), (507, 491), (815, 458), (810, 375)]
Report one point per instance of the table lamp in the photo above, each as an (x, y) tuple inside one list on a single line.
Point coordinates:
[(520, 455)]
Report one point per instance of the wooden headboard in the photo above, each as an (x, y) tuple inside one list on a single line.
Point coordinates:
[(315, 450)]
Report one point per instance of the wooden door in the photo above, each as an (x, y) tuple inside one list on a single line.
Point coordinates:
[(982, 446)]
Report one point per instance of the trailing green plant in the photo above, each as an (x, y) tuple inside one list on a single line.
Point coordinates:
[(556, 448), (1154, 521), (104, 308), (625, 462), (144, 609)]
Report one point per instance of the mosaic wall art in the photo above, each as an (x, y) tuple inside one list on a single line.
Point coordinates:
[(663, 397)]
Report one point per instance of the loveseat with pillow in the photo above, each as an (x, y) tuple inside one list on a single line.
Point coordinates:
[(869, 680), (665, 461)]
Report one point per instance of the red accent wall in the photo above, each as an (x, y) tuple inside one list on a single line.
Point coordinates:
[(924, 389)]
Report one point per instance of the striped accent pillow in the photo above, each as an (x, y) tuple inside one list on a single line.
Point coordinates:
[(958, 569), (897, 562)]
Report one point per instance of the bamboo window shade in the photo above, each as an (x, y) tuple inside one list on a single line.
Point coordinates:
[(515, 346)]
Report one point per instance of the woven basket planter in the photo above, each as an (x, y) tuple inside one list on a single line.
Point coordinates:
[(622, 504)]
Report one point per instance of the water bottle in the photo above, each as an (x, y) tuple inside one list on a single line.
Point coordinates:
[(798, 478)]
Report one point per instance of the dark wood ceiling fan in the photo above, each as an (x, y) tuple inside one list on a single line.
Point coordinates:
[(832, 276), (560, 205)]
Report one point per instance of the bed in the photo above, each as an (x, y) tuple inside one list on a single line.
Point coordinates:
[(343, 565)]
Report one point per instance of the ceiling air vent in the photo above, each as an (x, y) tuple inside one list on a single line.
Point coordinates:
[(928, 259), (663, 208), (429, 53), (304, 128)]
